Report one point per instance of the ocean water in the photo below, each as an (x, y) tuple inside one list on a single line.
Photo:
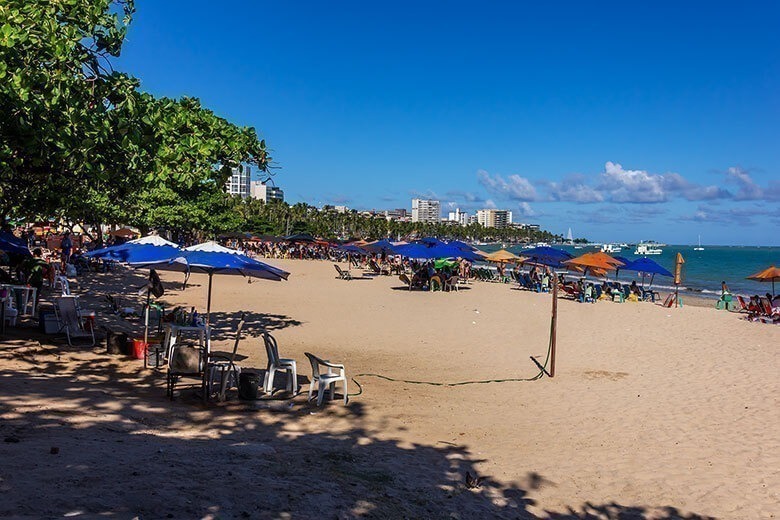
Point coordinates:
[(703, 270)]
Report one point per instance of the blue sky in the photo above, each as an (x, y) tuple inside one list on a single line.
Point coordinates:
[(624, 122)]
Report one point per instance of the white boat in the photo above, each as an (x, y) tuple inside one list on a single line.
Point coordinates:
[(542, 244), (611, 248), (647, 248), (699, 248)]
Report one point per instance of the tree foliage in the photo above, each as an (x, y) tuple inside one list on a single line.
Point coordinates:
[(278, 218), (79, 140)]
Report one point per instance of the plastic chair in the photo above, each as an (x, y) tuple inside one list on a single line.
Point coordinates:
[(62, 282), (277, 364), (451, 283), (334, 373)]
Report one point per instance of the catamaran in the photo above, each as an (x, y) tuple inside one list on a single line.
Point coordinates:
[(699, 248), (648, 248), (611, 248)]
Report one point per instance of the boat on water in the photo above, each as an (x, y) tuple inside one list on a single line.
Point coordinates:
[(541, 244), (611, 248), (647, 248), (699, 248)]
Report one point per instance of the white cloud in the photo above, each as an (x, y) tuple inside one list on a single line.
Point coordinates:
[(574, 189), (631, 185), (513, 187), (525, 210), (748, 189)]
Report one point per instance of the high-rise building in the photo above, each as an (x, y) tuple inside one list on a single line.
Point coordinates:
[(461, 217), (424, 210), (266, 193), (239, 181), (494, 218)]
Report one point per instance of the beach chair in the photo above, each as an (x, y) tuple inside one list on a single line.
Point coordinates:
[(327, 379), (344, 275), (222, 367), (405, 279), (435, 283), (186, 360), (742, 305), (570, 291), (66, 310), (277, 364), (451, 283), (374, 267)]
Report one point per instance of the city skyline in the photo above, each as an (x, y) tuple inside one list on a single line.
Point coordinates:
[(622, 122)]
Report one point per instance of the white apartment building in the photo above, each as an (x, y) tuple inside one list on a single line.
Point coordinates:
[(494, 218), (266, 193), (461, 217), (239, 182), (424, 210)]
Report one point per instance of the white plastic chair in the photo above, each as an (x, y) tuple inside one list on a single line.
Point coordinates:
[(66, 310), (277, 364), (334, 373), (63, 284)]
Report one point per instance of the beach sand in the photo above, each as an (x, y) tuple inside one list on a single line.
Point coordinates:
[(652, 413)]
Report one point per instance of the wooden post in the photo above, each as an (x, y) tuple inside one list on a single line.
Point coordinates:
[(553, 326)]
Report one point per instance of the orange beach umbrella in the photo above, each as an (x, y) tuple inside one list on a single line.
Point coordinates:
[(770, 274), (503, 256), (593, 261)]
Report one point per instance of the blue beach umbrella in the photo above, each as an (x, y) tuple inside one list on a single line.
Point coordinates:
[(146, 249), (546, 255), (380, 246), (350, 248), (440, 250), (647, 266), (461, 245), (212, 259)]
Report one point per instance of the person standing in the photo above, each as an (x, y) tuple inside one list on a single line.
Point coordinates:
[(66, 247)]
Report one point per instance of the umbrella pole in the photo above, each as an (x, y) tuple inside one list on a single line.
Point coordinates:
[(553, 327), (208, 301)]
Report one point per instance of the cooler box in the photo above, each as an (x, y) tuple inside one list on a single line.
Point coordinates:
[(49, 322)]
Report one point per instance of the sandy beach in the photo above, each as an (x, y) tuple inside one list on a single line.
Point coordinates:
[(653, 412)]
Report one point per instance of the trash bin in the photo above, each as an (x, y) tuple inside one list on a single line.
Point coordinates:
[(155, 356), (248, 383), (139, 349)]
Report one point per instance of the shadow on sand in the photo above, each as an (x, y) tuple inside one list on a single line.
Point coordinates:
[(123, 449)]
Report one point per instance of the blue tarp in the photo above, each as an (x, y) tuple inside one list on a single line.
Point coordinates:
[(13, 245)]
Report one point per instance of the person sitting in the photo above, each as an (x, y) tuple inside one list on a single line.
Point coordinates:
[(635, 290), (37, 270)]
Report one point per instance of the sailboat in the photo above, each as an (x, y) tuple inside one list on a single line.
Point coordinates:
[(699, 248), (569, 238)]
